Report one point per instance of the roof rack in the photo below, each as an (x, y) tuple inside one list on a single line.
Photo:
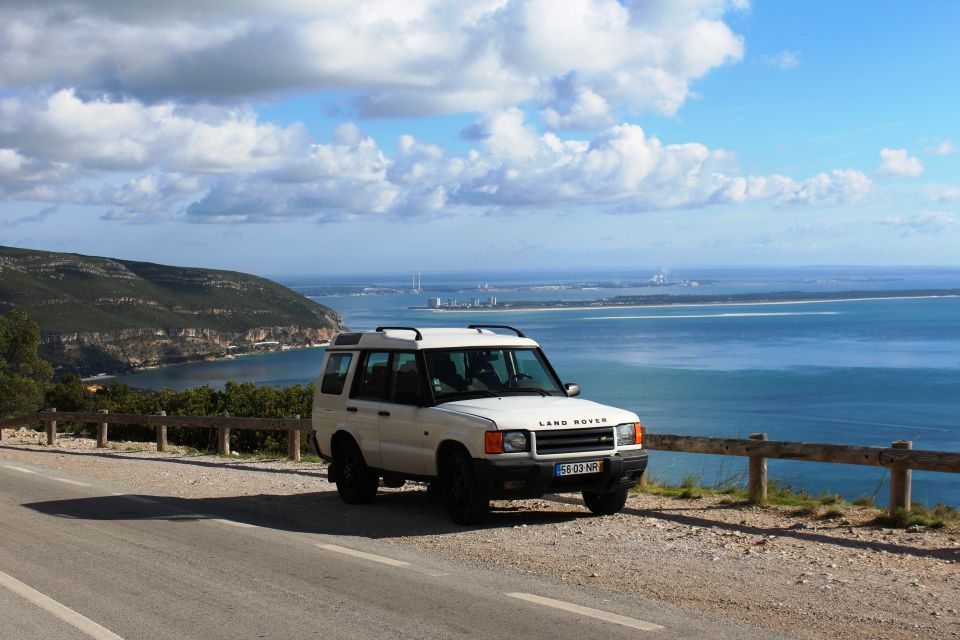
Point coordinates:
[(419, 336), (478, 327)]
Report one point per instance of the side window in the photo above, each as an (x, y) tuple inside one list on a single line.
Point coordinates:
[(372, 378), (405, 388), (335, 374)]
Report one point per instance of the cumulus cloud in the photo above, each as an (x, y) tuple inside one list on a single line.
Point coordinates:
[(899, 163), (128, 135), (948, 194), (942, 148), (784, 60), (391, 58), (928, 222), (214, 164)]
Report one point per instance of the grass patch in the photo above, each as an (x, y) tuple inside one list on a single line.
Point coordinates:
[(833, 513), (864, 501), (937, 517)]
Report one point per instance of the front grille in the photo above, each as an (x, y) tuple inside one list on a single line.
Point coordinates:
[(575, 440)]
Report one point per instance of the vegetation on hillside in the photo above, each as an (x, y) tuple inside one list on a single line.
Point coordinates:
[(101, 315), (23, 374)]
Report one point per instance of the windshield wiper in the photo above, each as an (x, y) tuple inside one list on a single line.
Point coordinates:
[(542, 392), (483, 393)]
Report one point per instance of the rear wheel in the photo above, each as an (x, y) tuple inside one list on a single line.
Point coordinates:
[(465, 499), (605, 504), (356, 484)]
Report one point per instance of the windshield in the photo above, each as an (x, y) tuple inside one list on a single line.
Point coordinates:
[(460, 373)]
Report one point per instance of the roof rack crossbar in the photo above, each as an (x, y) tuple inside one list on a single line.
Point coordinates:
[(419, 336), (478, 327)]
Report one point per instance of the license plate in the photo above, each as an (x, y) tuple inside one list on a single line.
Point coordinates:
[(578, 468)]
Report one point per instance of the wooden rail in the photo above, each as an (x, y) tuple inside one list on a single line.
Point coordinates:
[(900, 458), (160, 422)]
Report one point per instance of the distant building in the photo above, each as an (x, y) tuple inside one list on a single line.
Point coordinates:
[(433, 303), (493, 301)]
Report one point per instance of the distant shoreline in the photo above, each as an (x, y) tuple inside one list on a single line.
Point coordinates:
[(224, 358), (607, 307)]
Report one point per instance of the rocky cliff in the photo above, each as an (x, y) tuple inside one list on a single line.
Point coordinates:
[(101, 315)]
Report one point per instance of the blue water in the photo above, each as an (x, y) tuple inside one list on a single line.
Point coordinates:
[(864, 372)]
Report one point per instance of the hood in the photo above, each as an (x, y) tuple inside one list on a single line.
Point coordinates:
[(540, 413)]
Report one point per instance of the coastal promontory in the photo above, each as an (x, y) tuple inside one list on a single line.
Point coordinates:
[(103, 315)]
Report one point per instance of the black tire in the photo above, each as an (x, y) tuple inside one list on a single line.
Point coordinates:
[(356, 484), (465, 499), (605, 504)]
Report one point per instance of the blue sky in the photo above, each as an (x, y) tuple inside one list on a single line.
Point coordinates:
[(299, 137)]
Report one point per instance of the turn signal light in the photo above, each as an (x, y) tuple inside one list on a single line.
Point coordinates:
[(639, 430), (493, 442)]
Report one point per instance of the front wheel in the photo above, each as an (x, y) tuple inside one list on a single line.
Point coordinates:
[(605, 504), (356, 484), (465, 499)]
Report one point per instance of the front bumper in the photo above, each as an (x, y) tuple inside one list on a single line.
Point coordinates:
[(526, 478)]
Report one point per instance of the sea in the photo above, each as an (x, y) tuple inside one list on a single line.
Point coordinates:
[(864, 372)]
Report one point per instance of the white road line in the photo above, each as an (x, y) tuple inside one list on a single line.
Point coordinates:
[(363, 555), (20, 469), (51, 606), (234, 523), (633, 623), (69, 481)]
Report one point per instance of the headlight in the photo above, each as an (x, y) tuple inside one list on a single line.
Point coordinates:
[(514, 441), (626, 435)]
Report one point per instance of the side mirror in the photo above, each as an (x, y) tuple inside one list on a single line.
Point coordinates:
[(572, 389)]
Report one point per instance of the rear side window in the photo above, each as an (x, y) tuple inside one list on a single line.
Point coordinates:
[(335, 374), (405, 388), (372, 379)]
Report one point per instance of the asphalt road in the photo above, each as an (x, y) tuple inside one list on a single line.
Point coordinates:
[(81, 558)]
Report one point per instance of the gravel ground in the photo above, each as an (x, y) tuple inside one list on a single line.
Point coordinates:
[(805, 576)]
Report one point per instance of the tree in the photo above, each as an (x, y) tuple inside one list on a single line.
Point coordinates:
[(23, 374)]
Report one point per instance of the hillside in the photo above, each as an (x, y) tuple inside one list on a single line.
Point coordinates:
[(105, 315)]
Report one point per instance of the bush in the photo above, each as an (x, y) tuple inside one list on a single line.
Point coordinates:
[(241, 399)]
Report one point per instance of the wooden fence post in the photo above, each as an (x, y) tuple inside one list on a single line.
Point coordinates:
[(51, 431), (757, 487), (293, 442), (223, 438), (102, 432), (162, 435), (900, 481)]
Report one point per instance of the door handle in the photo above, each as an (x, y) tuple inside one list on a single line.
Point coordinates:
[(385, 414), (352, 409)]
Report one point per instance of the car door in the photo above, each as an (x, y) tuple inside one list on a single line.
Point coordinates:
[(364, 405), (401, 434)]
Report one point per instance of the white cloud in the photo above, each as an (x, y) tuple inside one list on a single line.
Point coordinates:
[(128, 135), (409, 58), (219, 165), (927, 222), (784, 60), (948, 194), (942, 148), (899, 163)]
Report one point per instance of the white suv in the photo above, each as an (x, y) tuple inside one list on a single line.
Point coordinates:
[(477, 412)]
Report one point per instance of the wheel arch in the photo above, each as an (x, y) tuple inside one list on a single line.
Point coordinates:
[(447, 448)]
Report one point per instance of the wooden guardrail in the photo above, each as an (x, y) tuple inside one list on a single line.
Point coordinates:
[(901, 458), (161, 421)]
